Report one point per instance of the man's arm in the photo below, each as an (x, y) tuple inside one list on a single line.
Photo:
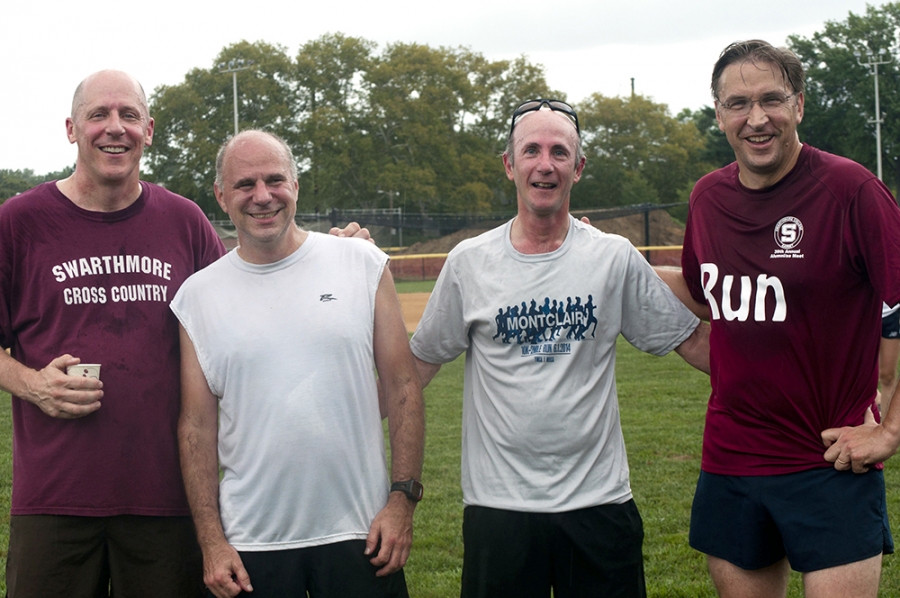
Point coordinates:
[(54, 391), (860, 447), (223, 571), (675, 279), (391, 531), (695, 348), (426, 370)]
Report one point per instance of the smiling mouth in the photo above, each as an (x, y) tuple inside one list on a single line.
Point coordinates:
[(265, 216), (544, 185), (113, 150), (759, 138)]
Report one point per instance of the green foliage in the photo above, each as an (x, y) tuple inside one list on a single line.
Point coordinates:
[(840, 93), (13, 182), (636, 153), (716, 152), (195, 117), (330, 140), (411, 126)]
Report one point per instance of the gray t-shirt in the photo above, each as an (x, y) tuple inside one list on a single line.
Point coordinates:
[(541, 428)]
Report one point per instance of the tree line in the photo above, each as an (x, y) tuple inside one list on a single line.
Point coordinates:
[(411, 127), (420, 128)]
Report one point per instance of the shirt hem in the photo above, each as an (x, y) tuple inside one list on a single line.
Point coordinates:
[(273, 546), (107, 512)]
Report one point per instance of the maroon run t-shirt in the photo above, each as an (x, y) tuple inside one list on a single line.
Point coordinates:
[(794, 276)]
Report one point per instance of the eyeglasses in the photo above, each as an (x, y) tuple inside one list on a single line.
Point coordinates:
[(533, 105), (769, 103)]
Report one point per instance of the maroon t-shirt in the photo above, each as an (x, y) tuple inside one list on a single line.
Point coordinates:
[(97, 286), (794, 276)]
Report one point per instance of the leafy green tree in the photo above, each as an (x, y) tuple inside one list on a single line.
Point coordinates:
[(636, 153), (332, 143), (13, 182), (840, 94), (440, 123), (195, 117), (716, 152), (414, 127)]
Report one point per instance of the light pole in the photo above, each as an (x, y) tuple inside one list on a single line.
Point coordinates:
[(233, 66), (399, 211), (872, 61)]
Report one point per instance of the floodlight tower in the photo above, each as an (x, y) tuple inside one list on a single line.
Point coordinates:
[(233, 66)]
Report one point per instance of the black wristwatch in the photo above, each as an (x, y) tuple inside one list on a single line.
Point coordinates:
[(411, 488)]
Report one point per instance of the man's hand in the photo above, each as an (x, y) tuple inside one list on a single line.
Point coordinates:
[(223, 571), (352, 230), (391, 534), (60, 395), (859, 447)]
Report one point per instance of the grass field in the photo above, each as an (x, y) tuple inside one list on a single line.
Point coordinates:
[(662, 405)]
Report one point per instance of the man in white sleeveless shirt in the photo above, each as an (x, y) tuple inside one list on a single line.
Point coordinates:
[(281, 340)]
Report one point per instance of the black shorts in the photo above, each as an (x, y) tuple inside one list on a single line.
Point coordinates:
[(63, 556), (890, 325), (587, 553), (338, 570), (818, 519)]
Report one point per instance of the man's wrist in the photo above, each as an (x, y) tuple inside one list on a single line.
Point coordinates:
[(412, 488)]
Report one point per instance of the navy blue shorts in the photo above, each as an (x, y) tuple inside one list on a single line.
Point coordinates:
[(818, 519), (585, 553), (890, 325)]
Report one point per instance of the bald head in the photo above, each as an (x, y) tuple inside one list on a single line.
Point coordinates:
[(248, 135), (545, 113), (104, 78)]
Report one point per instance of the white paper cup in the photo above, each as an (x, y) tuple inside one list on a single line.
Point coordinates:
[(85, 370)]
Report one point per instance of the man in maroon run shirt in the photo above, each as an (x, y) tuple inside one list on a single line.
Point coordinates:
[(789, 252)]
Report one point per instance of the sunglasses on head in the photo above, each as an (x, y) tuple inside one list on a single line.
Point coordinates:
[(533, 105)]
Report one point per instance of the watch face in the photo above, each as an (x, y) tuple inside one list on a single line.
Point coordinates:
[(411, 488)]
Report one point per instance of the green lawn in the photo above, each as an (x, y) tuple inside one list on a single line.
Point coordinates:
[(415, 286), (662, 405)]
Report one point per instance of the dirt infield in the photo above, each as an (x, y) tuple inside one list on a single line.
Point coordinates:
[(413, 304)]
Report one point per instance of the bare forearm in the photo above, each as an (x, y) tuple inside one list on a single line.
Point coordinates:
[(695, 349), (890, 415), (14, 377), (200, 470), (406, 426), (427, 371)]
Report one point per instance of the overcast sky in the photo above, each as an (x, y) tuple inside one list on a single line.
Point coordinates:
[(668, 46)]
